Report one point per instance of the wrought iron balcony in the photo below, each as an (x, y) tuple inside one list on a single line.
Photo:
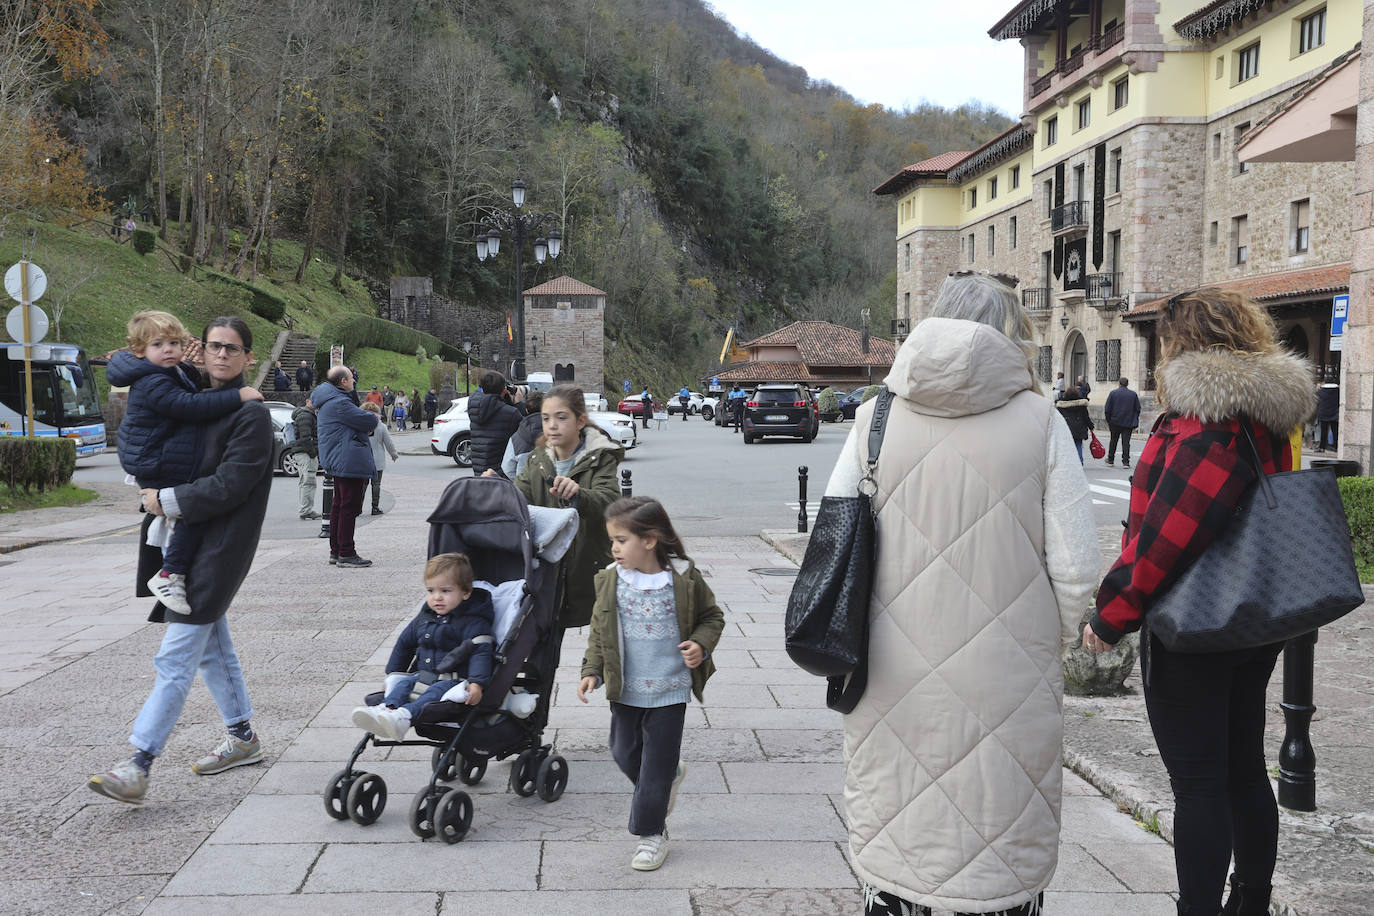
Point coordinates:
[(1072, 62), (1043, 83), (1036, 299), (1110, 37), (1072, 215), (1102, 286)]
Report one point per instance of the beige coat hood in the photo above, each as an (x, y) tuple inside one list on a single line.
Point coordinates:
[(953, 368)]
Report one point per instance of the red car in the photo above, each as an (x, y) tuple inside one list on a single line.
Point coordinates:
[(632, 406)]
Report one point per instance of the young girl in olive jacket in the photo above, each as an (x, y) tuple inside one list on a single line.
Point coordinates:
[(654, 626)]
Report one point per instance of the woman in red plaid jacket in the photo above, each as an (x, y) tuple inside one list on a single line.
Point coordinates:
[(1221, 368)]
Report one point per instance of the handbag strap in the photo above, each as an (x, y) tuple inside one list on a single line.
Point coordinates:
[(1253, 455), (876, 428)]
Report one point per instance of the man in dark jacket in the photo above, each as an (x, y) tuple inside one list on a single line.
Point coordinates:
[(304, 377), (1328, 413), (307, 439), (1122, 412), (494, 420), (431, 407), (280, 380), (346, 456)]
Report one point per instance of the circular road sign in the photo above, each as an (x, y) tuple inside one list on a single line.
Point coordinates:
[(38, 283), (38, 324)]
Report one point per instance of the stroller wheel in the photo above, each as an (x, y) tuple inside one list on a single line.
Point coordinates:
[(524, 773), (366, 798), (448, 773), (453, 815), (336, 794), (553, 778), (472, 771), (422, 811)]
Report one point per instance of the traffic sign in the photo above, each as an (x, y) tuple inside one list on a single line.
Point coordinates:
[(38, 324), (38, 283), (1340, 307)]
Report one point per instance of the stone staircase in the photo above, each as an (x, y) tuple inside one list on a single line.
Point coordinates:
[(298, 347)]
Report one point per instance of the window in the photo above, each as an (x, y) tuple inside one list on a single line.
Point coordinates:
[(1048, 186), (973, 199), (992, 188), (1212, 234), (1085, 112), (992, 241), (1046, 266), (1216, 145), (1221, 66), (1011, 233), (1240, 239), (1015, 177), (1241, 166), (970, 248), (1121, 93), (1080, 182), (1114, 253), (1302, 226), (1116, 170), (1052, 131), (1312, 31), (961, 246), (1247, 63), (906, 304), (907, 257)]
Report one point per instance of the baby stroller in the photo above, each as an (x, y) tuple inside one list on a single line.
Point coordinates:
[(487, 519)]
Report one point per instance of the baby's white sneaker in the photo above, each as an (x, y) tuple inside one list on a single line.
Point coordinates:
[(170, 589)]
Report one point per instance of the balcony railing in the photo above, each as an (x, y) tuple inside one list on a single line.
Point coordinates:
[(1096, 44), (1072, 62), (1110, 37), (1102, 286), (1043, 83), (1036, 299), (1070, 216)]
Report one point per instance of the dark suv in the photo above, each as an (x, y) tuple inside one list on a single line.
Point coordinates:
[(779, 410)]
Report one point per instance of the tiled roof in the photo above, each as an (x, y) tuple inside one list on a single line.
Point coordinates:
[(820, 343), (926, 168), (1000, 148), (1272, 287), (564, 286), (1349, 57), (763, 371)]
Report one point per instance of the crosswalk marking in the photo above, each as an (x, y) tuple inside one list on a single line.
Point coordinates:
[(1117, 491)]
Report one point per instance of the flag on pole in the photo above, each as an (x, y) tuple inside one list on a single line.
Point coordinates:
[(510, 335)]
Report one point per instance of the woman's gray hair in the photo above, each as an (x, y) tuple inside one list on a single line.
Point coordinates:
[(980, 298)]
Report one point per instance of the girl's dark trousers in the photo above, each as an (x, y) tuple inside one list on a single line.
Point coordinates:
[(1207, 713), (645, 743)]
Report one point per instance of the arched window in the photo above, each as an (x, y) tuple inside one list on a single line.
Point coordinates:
[(562, 373)]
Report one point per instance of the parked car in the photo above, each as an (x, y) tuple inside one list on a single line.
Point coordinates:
[(780, 410), (632, 405), (452, 434), (620, 427), (285, 458), (596, 401), (850, 402), (694, 402), (709, 406)]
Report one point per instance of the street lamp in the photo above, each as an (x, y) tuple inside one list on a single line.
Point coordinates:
[(521, 225), (467, 371)]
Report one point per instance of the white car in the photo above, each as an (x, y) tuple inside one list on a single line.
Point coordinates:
[(452, 432), (596, 401), (620, 427), (694, 402)]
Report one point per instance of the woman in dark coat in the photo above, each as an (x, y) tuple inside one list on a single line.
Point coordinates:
[(417, 412), (230, 500), (1073, 407)]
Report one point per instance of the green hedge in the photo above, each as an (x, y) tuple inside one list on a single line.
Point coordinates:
[(1357, 493), (828, 403), (870, 392), (144, 241), (41, 464), (356, 332), (264, 302)]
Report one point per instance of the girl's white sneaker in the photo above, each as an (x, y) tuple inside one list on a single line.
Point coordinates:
[(651, 852)]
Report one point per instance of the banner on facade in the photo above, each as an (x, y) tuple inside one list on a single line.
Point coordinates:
[(1075, 263), (1099, 201)]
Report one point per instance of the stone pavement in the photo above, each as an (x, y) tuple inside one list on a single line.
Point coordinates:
[(757, 830)]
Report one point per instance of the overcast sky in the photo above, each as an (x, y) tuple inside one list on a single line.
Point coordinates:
[(894, 52)]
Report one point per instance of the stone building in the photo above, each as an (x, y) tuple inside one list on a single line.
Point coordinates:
[(1122, 185), (414, 304), (565, 324)]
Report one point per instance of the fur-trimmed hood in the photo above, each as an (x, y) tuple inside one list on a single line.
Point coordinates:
[(1273, 389)]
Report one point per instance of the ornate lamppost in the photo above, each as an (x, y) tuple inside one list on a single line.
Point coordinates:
[(521, 225), (467, 372)]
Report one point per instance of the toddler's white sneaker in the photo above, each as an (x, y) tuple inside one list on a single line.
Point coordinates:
[(170, 589)]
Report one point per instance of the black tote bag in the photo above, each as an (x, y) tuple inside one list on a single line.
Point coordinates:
[(1282, 568), (827, 611)]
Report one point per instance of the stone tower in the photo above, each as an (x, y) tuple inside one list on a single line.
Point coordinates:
[(565, 332)]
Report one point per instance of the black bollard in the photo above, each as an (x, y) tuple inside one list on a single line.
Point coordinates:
[(625, 488), (326, 503), (1297, 760), (801, 511)]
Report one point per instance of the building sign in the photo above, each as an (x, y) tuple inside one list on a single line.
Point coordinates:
[(336, 355), (1075, 263), (1340, 305)]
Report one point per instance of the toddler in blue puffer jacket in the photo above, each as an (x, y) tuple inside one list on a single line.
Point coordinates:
[(159, 437)]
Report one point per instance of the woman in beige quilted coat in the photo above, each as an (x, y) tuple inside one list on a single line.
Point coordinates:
[(987, 556)]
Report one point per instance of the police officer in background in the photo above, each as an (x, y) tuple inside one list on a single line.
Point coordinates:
[(685, 397), (737, 399)]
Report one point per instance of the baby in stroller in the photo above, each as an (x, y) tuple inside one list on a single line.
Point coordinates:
[(449, 643)]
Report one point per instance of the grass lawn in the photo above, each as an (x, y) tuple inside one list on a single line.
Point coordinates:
[(399, 370), (67, 495)]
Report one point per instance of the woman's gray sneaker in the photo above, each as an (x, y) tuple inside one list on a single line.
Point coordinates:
[(232, 753), (125, 782)]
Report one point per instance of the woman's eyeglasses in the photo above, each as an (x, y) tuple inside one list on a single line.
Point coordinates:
[(217, 346), (1175, 300), (1010, 280)]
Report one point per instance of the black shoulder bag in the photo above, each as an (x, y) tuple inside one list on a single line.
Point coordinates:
[(827, 612), (1282, 568)]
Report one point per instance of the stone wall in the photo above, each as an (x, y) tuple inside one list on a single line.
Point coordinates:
[(567, 331), (934, 253), (1357, 366)]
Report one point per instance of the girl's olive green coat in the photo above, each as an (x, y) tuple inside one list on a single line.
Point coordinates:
[(594, 472), (699, 619)]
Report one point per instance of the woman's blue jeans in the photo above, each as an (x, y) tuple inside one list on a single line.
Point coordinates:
[(186, 648)]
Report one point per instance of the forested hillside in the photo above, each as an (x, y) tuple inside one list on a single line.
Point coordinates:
[(696, 178)]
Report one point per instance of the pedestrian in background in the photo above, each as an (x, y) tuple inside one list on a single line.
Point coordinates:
[(304, 377), (737, 399), (494, 417), (1058, 385), (346, 456), (399, 410), (1083, 387), (685, 397), (1221, 367), (280, 380), (417, 408), (1122, 412), (388, 400), (382, 445), (975, 594), (308, 460), (431, 407), (522, 441), (646, 404), (1328, 413), (1073, 407)]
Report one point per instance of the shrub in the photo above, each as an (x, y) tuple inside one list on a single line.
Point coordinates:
[(355, 332), (442, 373), (870, 392), (263, 302), (421, 354), (1357, 495), (828, 403), (144, 241), (41, 464)]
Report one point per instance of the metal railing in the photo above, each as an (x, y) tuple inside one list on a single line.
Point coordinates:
[(1102, 286), (1043, 83), (1069, 216), (1036, 299), (1110, 37), (1072, 62)]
